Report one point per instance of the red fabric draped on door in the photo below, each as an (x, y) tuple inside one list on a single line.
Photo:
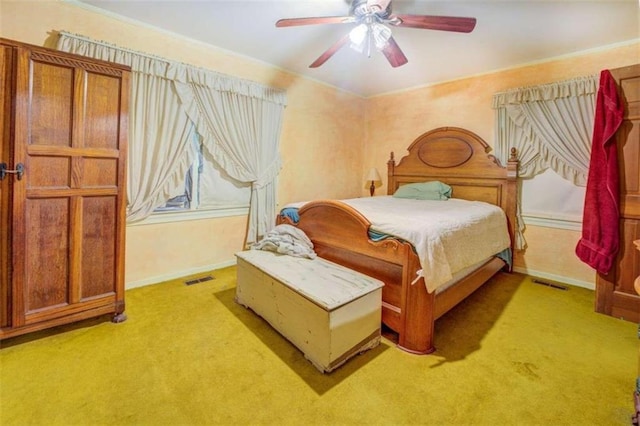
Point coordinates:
[(600, 229)]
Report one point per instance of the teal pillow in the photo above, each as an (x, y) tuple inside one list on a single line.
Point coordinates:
[(434, 190)]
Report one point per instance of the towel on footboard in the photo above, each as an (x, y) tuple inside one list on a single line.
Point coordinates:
[(600, 233)]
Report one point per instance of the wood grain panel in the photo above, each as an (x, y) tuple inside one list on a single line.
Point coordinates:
[(100, 172), (51, 104), (102, 111), (57, 172), (47, 253), (98, 246), (628, 139), (491, 194), (631, 89), (628, 268), (387, 272), (445, 152)]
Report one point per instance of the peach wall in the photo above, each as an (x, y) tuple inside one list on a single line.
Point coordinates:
[(321, 139), (551, 255), (164, 251), (394, 120)]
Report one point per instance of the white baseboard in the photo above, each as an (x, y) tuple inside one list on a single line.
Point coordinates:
[(556, 278), (179, 274), (192, 271)]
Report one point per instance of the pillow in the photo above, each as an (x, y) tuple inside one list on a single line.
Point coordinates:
[(434, 190)]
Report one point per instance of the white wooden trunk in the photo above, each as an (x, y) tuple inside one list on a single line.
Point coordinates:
[(329, 312)]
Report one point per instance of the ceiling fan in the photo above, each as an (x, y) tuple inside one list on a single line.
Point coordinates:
[(372, 18)]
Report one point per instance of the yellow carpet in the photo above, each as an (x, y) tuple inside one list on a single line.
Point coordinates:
[(514, 353)]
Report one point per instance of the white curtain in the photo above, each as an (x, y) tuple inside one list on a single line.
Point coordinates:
[(241, 133), (239, 121), (218, 189), (551, 128), (158, 162)]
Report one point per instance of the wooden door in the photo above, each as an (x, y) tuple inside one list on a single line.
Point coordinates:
[(615, 294), (67, 219)]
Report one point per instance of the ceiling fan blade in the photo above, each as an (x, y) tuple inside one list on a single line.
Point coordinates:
[(293, 22), (394, 54), (442, 23), (377, 5), (330, 52)]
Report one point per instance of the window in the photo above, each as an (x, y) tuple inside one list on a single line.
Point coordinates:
[(207, 190), (551, 128), (552, 201)]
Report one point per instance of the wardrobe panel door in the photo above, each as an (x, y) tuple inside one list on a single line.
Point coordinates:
[(47, 254), (102, 113), (51, 103), (64, 119), (98, 246), (66, 205)]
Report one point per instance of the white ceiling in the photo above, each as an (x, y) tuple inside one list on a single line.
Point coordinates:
[(507, 34)]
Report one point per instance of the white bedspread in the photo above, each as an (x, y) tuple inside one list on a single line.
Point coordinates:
[(448, 235)]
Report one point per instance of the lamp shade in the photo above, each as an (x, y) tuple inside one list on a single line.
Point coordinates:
[(373, 175)]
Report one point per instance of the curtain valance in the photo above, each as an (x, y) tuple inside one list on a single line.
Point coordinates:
[(171, 70), (580, 86)]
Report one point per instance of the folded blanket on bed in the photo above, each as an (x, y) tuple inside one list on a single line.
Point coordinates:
[(287, 239)]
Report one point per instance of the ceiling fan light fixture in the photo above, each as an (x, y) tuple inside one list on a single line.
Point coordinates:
[(381, 35), (365, 35), (358, 37)]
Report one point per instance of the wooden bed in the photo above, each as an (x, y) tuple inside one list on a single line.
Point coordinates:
[(339, 233)]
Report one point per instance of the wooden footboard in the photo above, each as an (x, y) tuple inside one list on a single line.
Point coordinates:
[(340, 234)]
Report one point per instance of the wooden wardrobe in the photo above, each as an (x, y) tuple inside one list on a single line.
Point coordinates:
[(62, 188), (615, 294)]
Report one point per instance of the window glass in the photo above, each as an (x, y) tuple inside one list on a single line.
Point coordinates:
[(548, 195), (207, 187)]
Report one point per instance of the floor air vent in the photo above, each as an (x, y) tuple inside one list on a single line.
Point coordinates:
[(199, 280), (552, 285)]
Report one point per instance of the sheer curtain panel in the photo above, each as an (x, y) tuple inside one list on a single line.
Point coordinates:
[(241, 132)]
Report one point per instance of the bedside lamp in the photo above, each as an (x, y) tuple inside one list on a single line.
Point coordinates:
[(374, 177)]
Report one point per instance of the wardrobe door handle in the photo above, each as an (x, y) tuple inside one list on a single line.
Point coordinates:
[(19, 171)]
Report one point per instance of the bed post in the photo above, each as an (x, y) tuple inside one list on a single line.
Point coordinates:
[(417, 312), (391, 165), (512, 201), (512, 184)]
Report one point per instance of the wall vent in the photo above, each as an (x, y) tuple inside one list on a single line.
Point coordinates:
[(199, 280)]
